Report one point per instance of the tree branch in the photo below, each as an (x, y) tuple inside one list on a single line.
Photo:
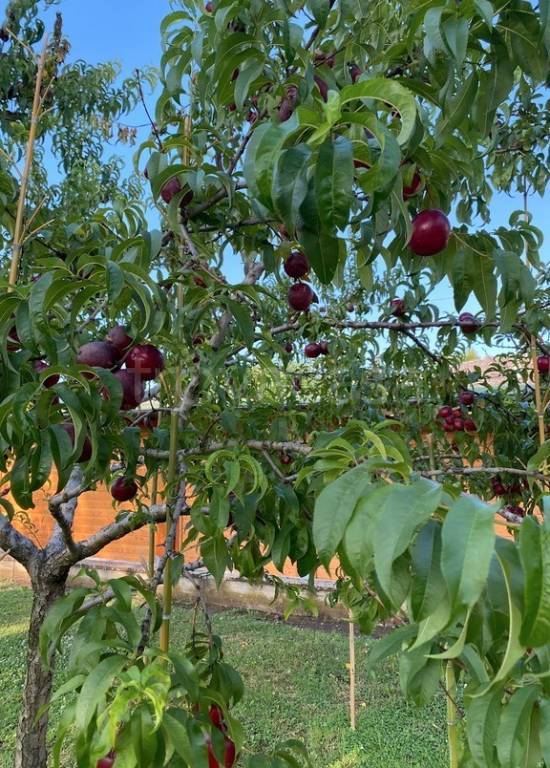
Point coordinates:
[(20, 547), (62, 508)]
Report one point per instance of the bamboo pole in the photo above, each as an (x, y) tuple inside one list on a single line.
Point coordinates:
[(452, 714), (352, 675), (173, 460), (539, 409), (152, 529), (18, 231)]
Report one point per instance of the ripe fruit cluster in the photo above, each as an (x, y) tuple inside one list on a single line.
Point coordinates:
[(454, 419), (315, 349), (300, 295), (143, 362), (215, 714), (500, 488)]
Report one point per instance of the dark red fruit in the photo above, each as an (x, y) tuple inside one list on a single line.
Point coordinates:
[(198, 340), (285, 459), (516, 510), (514, 489), (106, 762), (468, 323), (466, 398), (289, 348), (300, 297), (133, 390), (457, 413), (98, 354), (123, 489), (251, 116), (285, 111), (323, 346), (215, 713), (296, 265), (152, 420), (119, 338), (355, 72), (312, 350), (499, 489), (199, 281), (470, 425), (230, 753), (445, 412), (186, 199), (458, 423), (232, 107), (50, 381), (430, 232), (146, 360), (399, 308), (209, 7), (449, 425), (170, 189), (412, 189), (322, 86), (86, 454), (543, 364)]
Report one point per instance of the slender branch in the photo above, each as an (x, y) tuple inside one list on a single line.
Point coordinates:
[(220, 194), (424, 347), (258, 445), (189, 242), (62, 507), (151, 121), (490, 471), (117, 530)]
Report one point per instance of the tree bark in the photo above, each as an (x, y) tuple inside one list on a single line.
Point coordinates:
[(31, 749)]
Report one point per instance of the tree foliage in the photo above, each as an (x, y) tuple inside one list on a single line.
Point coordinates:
[(323, 128)]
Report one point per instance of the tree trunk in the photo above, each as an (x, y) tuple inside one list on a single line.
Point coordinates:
[(31, 750)]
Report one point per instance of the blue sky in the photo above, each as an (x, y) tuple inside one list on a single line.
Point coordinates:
[(127, 32)]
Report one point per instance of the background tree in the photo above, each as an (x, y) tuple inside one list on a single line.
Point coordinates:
[(292, 141)]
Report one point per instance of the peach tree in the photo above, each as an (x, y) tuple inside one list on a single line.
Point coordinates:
[(318, 406)]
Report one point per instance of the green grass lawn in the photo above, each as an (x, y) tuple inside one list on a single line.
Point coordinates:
[(296, 686)]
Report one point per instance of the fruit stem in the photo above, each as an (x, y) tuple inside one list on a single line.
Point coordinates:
[(152, 529), (18, 231), (452, 714)]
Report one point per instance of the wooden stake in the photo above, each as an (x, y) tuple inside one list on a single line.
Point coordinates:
[(18, 231), (452, 715), (352, 676)]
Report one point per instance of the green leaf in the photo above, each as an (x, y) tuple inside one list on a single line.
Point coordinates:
[(428, 585), (468, 540), (242, 315), (247, 74), (94, 690), (334, 183), (483, 717), (389, 92), (334, 508), (389, 645), (534, 548), (262, 157), (216, 557), (290, 184), (358, 537), (456, 111), (514, 729), (419, 675), (455, 35), (402, 511), (52, 628), (324, 251)]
